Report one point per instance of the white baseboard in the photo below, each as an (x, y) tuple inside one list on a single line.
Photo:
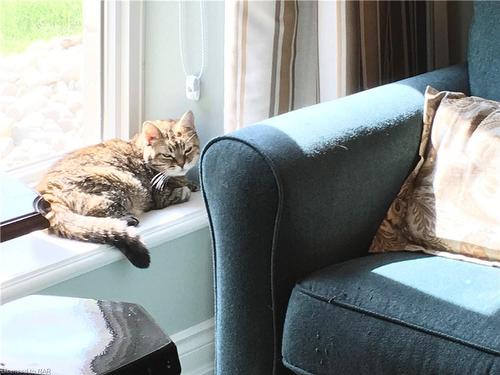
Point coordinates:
[(196, 347)]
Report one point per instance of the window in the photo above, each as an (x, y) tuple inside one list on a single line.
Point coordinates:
[(65, 78)]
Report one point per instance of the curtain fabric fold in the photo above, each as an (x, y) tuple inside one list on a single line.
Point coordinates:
[(398, 39), (284, 55), (270, 59)]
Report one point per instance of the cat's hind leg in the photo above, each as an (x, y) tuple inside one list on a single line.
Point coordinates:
[(100, 206)]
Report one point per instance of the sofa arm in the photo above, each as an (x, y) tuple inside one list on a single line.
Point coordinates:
[(296, 193)]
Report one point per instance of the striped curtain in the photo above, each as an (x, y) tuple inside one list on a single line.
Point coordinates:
[(283, 55), (270, 59), (396, 39)]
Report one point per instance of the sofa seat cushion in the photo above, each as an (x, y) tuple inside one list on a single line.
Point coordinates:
[(395, 313)]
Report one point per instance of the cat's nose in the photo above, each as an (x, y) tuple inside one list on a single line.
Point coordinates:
[(181, 163)]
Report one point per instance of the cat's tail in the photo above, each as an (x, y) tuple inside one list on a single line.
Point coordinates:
[(103, 230)]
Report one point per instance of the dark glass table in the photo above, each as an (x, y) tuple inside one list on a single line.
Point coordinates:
[(73, 336)]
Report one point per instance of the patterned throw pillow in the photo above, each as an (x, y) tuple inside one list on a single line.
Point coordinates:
[(450, 203)]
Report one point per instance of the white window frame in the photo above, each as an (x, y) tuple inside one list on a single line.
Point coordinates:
[(118, 28), (123, 69)]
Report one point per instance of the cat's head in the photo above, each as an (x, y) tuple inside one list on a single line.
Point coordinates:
[(171, 146)]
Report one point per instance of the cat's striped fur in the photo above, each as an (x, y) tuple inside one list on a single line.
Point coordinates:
[(96, 192)]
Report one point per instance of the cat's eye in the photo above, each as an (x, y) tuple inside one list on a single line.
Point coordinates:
[(165, 156), (188, 150)]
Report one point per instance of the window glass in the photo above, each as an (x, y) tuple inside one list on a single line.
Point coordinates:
[(46, 64)]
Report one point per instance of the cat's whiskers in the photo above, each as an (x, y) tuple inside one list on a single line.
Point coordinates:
[(159, 180), (155, 182), (159, 183), (156, 178), (163, 181)]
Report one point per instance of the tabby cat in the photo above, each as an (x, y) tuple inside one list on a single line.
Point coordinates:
[(96, 192)]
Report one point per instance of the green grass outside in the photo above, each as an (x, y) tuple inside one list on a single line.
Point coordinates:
[(25, 21)]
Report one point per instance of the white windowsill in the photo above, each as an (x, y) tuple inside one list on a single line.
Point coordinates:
[(36, 261)]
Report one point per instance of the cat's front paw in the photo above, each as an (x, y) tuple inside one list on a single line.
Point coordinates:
[(193, 186), (185, 194)]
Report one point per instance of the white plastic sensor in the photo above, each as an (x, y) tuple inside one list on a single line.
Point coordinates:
[(193, 87), (193, 81)]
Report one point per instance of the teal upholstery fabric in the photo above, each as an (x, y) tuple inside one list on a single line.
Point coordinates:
[(297, 193), (484, 50), (395, 313)]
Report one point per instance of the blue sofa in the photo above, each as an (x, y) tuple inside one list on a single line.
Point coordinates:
[(294, 203)]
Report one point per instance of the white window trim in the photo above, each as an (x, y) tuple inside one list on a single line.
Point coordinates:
[(124, 69)]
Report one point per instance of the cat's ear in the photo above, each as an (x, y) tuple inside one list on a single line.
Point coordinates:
[(187, 120), (150, 132)]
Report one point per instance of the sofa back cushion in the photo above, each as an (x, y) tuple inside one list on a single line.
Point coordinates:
[(484, 50)]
